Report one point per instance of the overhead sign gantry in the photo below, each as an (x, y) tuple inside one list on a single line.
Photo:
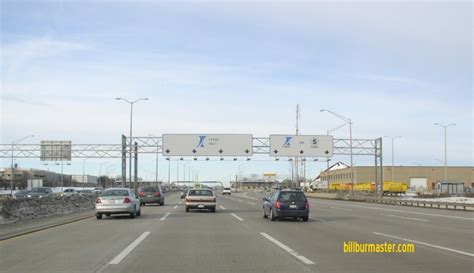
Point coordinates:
[(301, 145), (207, 145)]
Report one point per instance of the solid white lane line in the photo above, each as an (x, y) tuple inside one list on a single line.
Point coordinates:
[(287, 249), (164, 217), (403, 211), (426, 244), (240, 200), (222, 207), (251, 203), (129, 248), (180, 202), (340, 208), (317, 219), (403, 217), (175, 207), (237, 217)]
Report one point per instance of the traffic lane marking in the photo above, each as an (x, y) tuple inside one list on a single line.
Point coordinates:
[(400, 211), (425, 244), (175, 207), (222, 207), (317, 219), (237, 217), (403, 217), (251, 203), (287, 249), (164, 217), (129, 248)]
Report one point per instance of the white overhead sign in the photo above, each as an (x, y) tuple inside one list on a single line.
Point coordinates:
[(301, 145), (207, 145), (55, 150)]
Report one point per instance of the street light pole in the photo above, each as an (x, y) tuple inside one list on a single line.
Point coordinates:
[(12, 174), (445, 148), (348, 121), (393, 157), (130, 139)]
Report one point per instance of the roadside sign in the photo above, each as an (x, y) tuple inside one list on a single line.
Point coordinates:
[(55, 150), (301, 145), (207, 145)]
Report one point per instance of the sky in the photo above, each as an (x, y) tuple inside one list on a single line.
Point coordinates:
[(394, 68)]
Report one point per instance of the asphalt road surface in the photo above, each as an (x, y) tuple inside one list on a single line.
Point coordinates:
[(237, 239)]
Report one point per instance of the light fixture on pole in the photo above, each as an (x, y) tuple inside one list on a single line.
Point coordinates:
[(445, 148), (393, 157), (12, 174), (348, 121), (130, 141)]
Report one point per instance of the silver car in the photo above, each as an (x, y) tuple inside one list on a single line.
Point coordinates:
[(117, 201)]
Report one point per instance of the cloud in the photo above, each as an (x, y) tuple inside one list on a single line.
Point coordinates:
[(17, 55)]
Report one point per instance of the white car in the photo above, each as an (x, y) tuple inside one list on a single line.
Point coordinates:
[(117, 201), (226, 191), (69, 192)]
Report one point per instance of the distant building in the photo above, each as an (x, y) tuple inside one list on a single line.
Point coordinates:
[(418, 177), (88, 179)]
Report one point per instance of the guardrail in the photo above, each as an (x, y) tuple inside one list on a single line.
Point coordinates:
[(400, 202), (413, 203)]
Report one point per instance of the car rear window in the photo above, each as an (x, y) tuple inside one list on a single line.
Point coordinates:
[(227, 189), (292, 196), (149, 189), (200, 193), (115, 193)]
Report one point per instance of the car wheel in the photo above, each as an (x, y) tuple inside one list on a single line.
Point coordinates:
[(162, 203), (98, 216), (265, 215), (139, 213), (213, 209), (133, 213), (305, 219), (272, 216), (107, 214), (187, 209)]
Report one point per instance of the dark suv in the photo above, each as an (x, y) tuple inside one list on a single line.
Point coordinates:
[(285, 203), (151, 194)]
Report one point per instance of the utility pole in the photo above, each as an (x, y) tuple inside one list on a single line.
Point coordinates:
[(298, 115), (393, 139), (445, 148)]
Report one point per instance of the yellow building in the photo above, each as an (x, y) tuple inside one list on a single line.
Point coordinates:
[(417, 177)]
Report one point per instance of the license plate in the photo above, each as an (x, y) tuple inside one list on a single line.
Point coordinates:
[(293, 206), (150, 195), (201, 206)]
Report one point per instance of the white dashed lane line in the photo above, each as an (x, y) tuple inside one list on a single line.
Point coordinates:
[(164, 217), (425, 244), (404, 217), (237, 217), (222, 207), (287, 249), (338, 208), (251, 203), (129, 248), (175, 207)]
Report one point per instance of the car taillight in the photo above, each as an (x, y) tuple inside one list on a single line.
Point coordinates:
[(187, 199), (278, 205), (98, 201), (141, 194), (127, 200), (157, 194), (307, 205)]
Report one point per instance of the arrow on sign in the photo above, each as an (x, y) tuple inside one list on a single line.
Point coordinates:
[(276, 151), (247, 151), (194, 151), (167, 151), (220, 151), (301, 152), (326, 152)]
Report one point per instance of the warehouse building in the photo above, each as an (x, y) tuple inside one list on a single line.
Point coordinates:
[(418, 177)]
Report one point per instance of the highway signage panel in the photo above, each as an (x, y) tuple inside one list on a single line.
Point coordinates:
[(52, 150), (207, 144), (301, 145)]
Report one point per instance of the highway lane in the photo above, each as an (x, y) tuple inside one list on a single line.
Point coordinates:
[(324, 240), (83, 246), (237, 239)]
